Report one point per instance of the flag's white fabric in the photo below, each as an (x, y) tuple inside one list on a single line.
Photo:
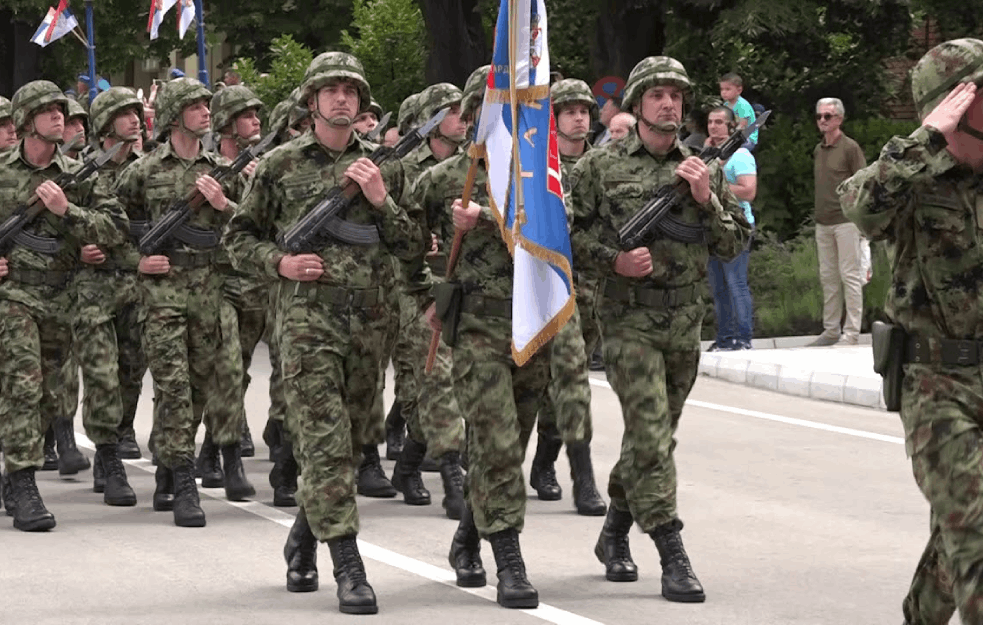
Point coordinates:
[(56, 24), (187, 16)]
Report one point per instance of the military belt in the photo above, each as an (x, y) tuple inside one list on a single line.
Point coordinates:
[(110, 266), (661, 299), (925, 350), (35, 277), (486, 306), (191, 260), (338, 296)]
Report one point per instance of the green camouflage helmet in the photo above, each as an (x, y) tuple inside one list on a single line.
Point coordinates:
[(942, 68), (230, 102), (436, 97), (330, 66), (109, 104), (651, 71), (33, 96), (474, 91), (4, 108), (299, 112), (75, 110), (408, 112), (375, 108), (278, 118), (174, 97), (570, 90)]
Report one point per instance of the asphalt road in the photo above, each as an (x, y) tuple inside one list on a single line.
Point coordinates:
[(796, 511)]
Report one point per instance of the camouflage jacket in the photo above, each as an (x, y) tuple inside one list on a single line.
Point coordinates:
[(291, 180), (567, 164), (929, 209), (92, 217), (610, 185), (484, 264), (149, 187)]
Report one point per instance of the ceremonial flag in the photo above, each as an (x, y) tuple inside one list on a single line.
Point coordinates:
[(186, 16), (518, 134), (56, 24), (158, 9)]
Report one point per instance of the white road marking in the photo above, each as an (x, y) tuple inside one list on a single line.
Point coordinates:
[(544, 612), (815, 425)]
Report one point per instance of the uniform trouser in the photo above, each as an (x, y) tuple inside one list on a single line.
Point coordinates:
[(132, 361), (70, 392), (944, 438), (98, 354), (278, 403), (500, 401), (373, 430), (841, 277), (182, 347), (652, 383), (35, 361), (331, 358)]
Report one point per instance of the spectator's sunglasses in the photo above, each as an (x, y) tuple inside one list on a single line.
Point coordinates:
[(825, 116)]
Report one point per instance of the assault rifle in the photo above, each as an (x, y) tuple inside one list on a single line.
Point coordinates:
[(372, 136), (307, 234), (173, 224), (12, 230), (657, 213)]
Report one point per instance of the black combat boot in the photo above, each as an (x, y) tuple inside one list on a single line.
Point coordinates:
[(208, 466), (187, 506), (453, 477), (273, 436), (465, 555), (514, 589), (70, 459), (679, 582), (237, 486), (283, 476), (300, 552), (406, 474), (395, 431), (247, 448), (6, 493), (50, 455), (612, 547), (115, 488), (585, 496), (372, 480), (355, 595), (30, 515), (542, 477), (164, 492), (127, 445)]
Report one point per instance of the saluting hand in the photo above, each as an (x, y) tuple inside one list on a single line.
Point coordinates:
[(52, 197), (634, 264), (154, 265), (367, 175), (92, 255), (946, 115), (212, 190), (301, 267)]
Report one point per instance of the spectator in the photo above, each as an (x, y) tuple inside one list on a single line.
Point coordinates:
[(620, 125), (838, 241), (612, 106), (732, 299), (731, 87), (231, 77)]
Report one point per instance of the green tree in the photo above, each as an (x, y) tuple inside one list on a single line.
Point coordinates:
[(387, 42), (288, 60)]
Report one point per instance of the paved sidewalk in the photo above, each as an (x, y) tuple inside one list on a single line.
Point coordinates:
[(842, 373)]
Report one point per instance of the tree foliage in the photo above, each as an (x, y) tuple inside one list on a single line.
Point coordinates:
[(288, 60), (387, 41)]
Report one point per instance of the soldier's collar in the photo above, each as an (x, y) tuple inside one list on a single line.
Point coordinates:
[(168, 151), (59, 160)]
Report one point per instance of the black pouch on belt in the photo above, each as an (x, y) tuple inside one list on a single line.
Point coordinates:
[(448, 297), (889, 358)]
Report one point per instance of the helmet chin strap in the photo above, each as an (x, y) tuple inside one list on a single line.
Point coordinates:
[(450, 141), (662, 128), (338, 121), (964, 127), (580, 136)]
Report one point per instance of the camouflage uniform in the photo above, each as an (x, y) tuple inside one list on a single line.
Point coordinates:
[(651, 325), (36, 301), (926, 205)]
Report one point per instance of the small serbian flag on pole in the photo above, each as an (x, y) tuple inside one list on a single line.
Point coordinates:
[(158, 9), (185, 17), (518, 131), (57, 23)]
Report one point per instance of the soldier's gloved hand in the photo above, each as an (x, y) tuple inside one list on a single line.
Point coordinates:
[(301, 267), (367, 175), (634, 264), (154, 265), (4, 270), (945, 117), (434, 245), (697, 174), (92, 255), (431, 316), (52, 197), (465, 218), (212, 190)]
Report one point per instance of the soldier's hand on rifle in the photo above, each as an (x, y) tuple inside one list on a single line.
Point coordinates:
[(52, 197), (4, 270), (154, 265), (92, 255), (945, 117), (212, 190), (465, 218), (301, 267), (249, 169), (697, 174), (434, 245), (634, 264), (431, 316), (367, 175)]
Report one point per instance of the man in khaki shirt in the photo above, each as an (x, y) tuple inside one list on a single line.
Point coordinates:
[(838, 240)]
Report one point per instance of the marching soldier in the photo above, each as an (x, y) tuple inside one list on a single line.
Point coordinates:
[(331, 318)]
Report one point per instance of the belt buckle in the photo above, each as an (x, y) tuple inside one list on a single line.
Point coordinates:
[(669, 298), (351, 298)]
